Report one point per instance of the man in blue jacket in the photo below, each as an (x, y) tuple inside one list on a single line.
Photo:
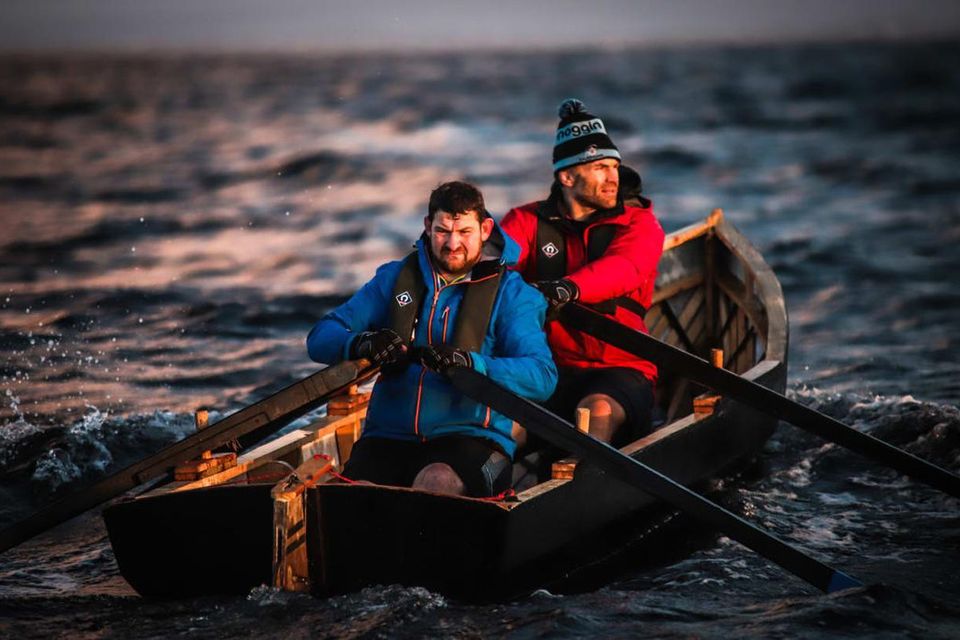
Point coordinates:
[(450, 303)]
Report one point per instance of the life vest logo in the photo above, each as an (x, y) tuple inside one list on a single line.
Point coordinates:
[(549, 250), (404, 299)]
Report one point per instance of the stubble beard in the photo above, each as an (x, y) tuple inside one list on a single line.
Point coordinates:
[(596, 201), (593, 199), (448, 268)]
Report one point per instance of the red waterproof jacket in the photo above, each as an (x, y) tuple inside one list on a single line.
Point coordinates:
[(628, 267)]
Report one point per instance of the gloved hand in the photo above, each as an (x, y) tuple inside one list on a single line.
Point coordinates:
[(441, 357), (379, 347), (558, 292)]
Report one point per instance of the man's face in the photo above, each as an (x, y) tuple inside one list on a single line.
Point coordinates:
[(456, 240), (594, 184)]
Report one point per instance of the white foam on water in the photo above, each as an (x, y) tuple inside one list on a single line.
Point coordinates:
[(799, 474), (87, 447), (84, 450), (12, 434), (828, 532), (843, 499), (265, 595)]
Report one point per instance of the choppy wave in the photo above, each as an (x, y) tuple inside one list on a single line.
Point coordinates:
[(39, 463)]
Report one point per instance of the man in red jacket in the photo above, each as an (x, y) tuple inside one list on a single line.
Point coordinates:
[(595, 241)]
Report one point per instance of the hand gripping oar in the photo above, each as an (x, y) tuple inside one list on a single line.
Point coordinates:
[(247, 426), (564, 435), (770, 402)]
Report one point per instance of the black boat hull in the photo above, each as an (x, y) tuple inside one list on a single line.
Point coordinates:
[(209, 541)]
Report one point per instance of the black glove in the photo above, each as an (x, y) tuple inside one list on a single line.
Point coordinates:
[(441, 357), (379, 347), (558, 292)]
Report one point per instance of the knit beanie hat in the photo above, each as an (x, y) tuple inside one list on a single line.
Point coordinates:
[(581, 137)]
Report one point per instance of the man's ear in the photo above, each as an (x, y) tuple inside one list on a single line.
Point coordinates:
[(565, 177), (486, 228), (426, 224)]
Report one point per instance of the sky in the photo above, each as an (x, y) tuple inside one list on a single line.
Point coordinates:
[(352, 25)]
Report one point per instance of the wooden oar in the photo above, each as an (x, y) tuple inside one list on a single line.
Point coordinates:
[(748, 392), (253, 422), (621, 466)]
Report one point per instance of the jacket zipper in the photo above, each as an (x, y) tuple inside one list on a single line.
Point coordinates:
[(446, 316), (423, 370), (433, 307)]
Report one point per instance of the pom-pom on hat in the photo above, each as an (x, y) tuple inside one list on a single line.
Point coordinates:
[(581, 137)]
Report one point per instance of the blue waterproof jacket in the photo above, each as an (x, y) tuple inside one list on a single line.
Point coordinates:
[(419, 404)]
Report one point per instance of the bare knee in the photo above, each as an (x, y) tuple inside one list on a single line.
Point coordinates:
[(439, 478), (519, 435), (603, 406), (606, 415)]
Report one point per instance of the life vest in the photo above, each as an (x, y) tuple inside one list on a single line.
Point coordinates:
[(473, 317), (552, 261)]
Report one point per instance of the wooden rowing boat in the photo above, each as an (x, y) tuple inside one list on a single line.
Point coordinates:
[(252, 523)]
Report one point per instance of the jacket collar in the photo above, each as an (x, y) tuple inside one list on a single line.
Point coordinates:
[(551, 211)]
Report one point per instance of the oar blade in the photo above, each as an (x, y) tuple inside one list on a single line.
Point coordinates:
[(840, 581)]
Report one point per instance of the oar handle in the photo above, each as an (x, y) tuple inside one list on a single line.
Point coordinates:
[(748, 392)]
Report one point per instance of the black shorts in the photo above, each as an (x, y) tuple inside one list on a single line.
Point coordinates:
[(628, 387), (483, 467)]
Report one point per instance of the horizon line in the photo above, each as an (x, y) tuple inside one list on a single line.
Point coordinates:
[(948, 35)]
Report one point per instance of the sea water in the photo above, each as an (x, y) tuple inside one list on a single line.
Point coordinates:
[(174, 224)]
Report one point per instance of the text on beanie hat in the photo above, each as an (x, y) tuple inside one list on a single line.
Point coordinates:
[(581, 137)]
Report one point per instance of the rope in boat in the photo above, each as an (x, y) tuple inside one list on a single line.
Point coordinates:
[(331, 471), (503, 495)]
